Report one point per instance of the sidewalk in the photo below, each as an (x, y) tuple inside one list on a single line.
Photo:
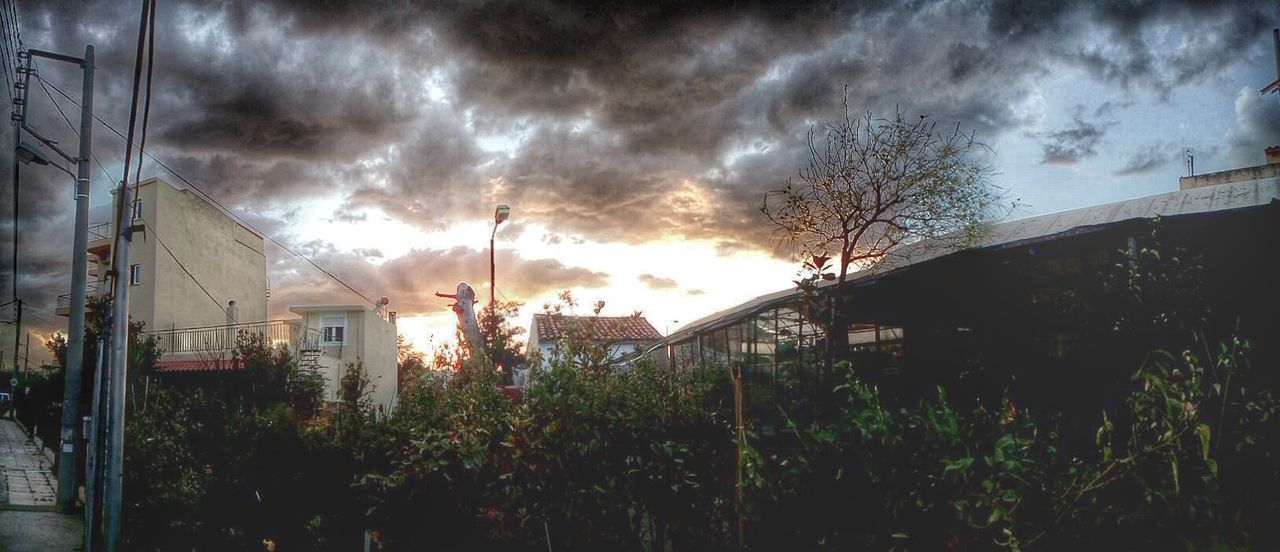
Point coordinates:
[(28, 520)]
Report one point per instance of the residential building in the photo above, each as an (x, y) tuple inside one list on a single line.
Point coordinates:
[(626, 335), (190, 265), (199, 283), (354, 335)]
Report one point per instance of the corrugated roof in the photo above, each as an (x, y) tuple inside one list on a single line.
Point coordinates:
[(1222, 197), (603, 328)]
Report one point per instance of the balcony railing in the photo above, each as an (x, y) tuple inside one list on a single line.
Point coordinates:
[(91, 288), (99, 231), (289, 333)]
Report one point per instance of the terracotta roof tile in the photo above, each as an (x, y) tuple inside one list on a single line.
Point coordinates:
[(611, 328), (170, 366)]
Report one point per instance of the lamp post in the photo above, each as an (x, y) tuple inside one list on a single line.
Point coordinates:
[(502, 213)]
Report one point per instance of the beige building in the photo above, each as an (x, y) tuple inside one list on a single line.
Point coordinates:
[(354, 335), (181, 230), (198, 280)]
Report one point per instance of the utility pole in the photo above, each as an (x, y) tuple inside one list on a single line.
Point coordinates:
[(26, 356), (1274, 86), (17, 334), (74, 368), (18, 116), (113, 484), (97, 427)]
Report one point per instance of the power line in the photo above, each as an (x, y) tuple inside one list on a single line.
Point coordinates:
[(214, 200), (13, 19), (69, 123), (9, 52), (151, 228)]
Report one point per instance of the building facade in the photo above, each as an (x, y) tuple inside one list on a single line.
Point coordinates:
[(354, 335), (190, 265), (199, 283)]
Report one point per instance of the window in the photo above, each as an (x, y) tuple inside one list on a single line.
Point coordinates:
[(334, 328), (137, 210), (135, 275)]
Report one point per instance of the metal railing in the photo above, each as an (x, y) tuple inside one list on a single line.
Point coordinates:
[(208, 339), (91, 288), (99, 231)]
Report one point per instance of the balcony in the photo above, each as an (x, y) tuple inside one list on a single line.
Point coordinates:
[(215, 339), (100, 239), (63, 307)]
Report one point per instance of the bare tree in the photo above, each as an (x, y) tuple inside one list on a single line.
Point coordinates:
[(877, 184)]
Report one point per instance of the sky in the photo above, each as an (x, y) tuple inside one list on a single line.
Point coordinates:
[(634, 142)]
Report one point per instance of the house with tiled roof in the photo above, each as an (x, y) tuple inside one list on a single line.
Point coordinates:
[(626, 335)]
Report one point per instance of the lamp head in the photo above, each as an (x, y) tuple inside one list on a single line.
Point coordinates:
[(501, 214), (28, 154)]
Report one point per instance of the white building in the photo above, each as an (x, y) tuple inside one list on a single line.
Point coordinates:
[(354, 335), (625, 335)]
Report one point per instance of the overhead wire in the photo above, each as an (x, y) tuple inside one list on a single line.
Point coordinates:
[(70, 124), (215, 201), (10, 50), (151, 229)]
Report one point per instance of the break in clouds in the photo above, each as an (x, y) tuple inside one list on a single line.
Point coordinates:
[(614, 121)]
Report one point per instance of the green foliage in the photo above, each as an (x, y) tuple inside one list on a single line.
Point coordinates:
[(502, 343), (227, 469), (1157, 476)]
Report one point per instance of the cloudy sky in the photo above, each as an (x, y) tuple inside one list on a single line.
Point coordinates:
[(633, 142)]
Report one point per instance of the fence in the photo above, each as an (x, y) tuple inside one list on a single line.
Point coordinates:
[(223, 338)]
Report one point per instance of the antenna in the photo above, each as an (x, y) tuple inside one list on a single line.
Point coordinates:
[(1191, 161)]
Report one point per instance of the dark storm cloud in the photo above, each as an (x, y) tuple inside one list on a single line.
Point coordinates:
[(625, 121), (1074, 143), (1149, 158)]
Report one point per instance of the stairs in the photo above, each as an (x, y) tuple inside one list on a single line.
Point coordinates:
[(309, 360)]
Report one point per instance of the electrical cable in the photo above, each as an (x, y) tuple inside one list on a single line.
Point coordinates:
[(74, 130), (133, 119), (215, 201), (151, 228)]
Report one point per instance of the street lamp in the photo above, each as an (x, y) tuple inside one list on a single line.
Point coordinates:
[(29, 154), (502, 213)]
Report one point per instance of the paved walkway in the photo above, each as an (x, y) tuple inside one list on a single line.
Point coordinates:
[(28, 521), (27, 477)]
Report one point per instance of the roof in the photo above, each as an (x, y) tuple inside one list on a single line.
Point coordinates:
[(106, 213), (1222, 197), (169, 366), (300, 309), (600, 328)]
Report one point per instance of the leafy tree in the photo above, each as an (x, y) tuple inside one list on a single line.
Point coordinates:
[(501, 338), (876, 184)]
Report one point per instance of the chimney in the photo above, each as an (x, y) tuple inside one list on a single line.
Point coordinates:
[(1273, 155), (233, 313)]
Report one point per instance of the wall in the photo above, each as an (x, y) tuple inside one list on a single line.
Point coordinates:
[(379, 355), (1260, 172), (371, 342), (548, 351), (228, 259)]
